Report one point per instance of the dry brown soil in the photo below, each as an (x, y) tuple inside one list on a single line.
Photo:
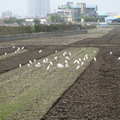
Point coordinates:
[(96, 93)]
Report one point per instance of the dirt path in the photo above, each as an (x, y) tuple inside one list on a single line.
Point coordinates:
[(96, 93)]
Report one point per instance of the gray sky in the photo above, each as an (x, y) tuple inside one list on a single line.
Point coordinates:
[(20, 6)]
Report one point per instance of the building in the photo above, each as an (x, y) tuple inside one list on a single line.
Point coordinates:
[(38, 8), (71, 11), (7, 14)]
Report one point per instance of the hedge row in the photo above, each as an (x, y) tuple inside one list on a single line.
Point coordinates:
[(7, 30)]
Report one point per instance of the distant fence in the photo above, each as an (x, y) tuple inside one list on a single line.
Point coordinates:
[(38, 35)]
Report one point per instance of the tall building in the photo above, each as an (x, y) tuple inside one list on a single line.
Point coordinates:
[(38, 8), (7, 14)]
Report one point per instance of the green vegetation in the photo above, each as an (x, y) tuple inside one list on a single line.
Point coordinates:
[(7, 30), (28, 92), (36, 21), (89, 18), (13, 20)]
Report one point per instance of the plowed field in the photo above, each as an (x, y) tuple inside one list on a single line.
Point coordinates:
[(96, 93)]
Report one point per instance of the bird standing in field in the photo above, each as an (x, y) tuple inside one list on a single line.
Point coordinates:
[(76, 61), (55, 57), (77, 67), (5, 53), (59, 65), (48, 67), (20, 65), (30, 61), (95, 59), (110, 52), (40, 51), (119, 58)]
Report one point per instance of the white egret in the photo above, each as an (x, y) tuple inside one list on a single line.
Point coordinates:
[(45, 60), (94, 51), (22, 48), (51, 63), (82, 63), (48, 67), (119, 58), (110, 53), (95, 59), (79, 59), (64, 53), (59, 65), (28, 65), (5, 53), (40, 51), (18, 49), (66, 61), (67, 58), (66, 65), (20, 65), (76, 61), (34, 60), (13, 47), (70, 53), (30, 61), (77, 67), (37, 65), (55, 57), (84, 59)]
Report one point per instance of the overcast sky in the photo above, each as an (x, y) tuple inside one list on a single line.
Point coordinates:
[(20, 6)]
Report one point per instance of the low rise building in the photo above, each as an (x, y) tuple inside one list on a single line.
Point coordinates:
[(71, 11)]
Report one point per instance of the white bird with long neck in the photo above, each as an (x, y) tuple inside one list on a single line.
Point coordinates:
[(59, 65), (13, 46), (76, 61), (55, 57), (119, 58), (95, 52), (40, 51), (67, 58), (84, 59), (48, 67), (30, 61), (86, 56), (95, 59), (38, 65), (77, 67), (28, 65), (70, 53), (64, 53), (51, 63), (66, 61), (22, 48), (110, 52), (20, 65), (34, 60), (66, 65), (82, 63), (80, 59), (5, 53), (18, 49), (45, 60)]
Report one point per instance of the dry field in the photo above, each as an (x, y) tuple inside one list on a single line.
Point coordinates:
[(47, 77)]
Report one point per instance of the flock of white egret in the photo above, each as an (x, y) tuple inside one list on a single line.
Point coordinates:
[(67, 56), (65, 64)]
